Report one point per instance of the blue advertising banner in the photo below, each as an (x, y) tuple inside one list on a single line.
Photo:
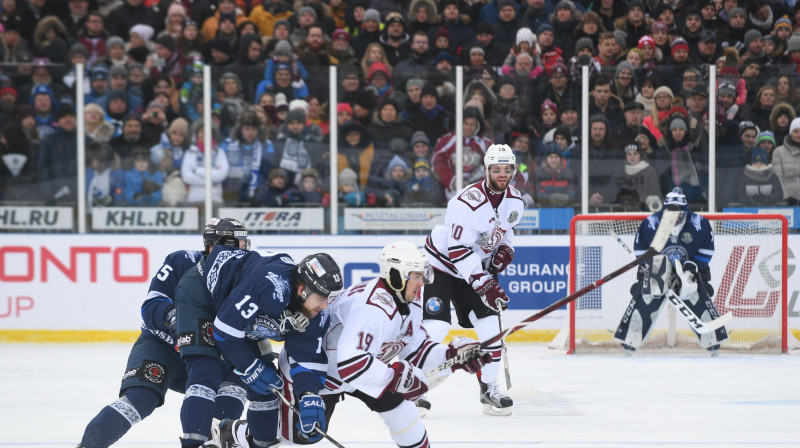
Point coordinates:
[(537, 277), (792, 213), (546, 219)]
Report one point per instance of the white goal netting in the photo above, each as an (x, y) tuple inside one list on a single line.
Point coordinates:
[(748, 273)]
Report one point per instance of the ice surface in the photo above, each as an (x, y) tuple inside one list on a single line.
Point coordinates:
[(49, 392)]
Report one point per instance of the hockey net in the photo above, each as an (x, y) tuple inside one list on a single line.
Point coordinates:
[(748, 273)]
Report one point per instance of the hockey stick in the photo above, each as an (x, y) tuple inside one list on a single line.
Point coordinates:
[(691, 317), (695, 322), (294, 409), (668, 221), (503, 350)]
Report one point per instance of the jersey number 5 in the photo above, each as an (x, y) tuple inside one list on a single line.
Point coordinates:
[(163, 273), (251, 307)]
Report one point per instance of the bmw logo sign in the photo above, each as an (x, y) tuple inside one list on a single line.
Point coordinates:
[(434, 305)]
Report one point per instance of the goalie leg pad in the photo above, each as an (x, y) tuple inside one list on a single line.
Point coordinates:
[(657, 278), (638, 320)]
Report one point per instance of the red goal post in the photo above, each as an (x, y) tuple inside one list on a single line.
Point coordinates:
[(748, 273)]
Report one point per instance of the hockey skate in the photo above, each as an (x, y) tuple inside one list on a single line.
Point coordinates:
[(423, 405), (494, 401), (232, 434)]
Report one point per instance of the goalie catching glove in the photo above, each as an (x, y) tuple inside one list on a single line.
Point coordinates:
[(408, 381), (470, 350), (686, 279), (491, 293), (501, 259)]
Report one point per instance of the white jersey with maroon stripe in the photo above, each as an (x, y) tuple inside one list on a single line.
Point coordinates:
[(367, 331), (473, 229)]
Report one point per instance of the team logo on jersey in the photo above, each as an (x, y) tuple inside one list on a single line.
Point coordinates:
[(207, 333), (264, 327), (513, 216), (153, 372), (686, 238), (676, 253), (390, 349), (281, 286), (434, 305), (488, 241), (384, 297)]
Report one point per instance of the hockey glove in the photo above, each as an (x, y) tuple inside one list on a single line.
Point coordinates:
[(312, 417), (501, 259), (492, 295), (408, 381), (686, 274), (261, 378), (468, 354), (170, 321)]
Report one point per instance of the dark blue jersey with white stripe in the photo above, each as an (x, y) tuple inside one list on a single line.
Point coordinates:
[(162, 290), (694, 242), (250, 292)]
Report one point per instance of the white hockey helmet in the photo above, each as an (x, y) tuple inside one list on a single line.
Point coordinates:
[(399, 259), (499, 154)]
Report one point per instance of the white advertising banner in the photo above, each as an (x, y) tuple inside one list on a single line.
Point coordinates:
[(36, 218), (145, 218), (98, 282), (393, 218), (312, 218)]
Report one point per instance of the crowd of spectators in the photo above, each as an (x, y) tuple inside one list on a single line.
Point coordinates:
[(395, 114)]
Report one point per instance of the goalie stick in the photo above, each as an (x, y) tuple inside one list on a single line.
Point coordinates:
[(695, 322), (668, 221), (294, 409)]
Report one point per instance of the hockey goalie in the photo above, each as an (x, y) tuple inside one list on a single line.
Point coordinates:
[(681, 268)]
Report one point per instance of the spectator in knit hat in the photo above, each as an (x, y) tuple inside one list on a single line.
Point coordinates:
[(525, 42), (633, 130), (692, 27), (554, 181), (388, 125), (685, 166), (422, 188), (369, 32), (786, 163), (670, 71), (565, 21), (559, 86), (461, 32), (341, 49), (782, 30), (122, 18), (309, 191), (475, 145), (636, 185), (753, 46), (421, 146), (432, 118), (505, 29), (707, 52), (758, 185), (274, 192), (211, 25), (635, 24), (766, 141), (395, 41), (733, 35), (662, 103), (169, 61)]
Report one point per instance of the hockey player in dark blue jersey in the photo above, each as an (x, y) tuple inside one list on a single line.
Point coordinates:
[(682, 266), (154, 364), (225, 320)]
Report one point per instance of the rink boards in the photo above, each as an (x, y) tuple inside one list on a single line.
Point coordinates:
[(86, 288)]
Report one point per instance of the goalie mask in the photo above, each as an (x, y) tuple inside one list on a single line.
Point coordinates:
[(226, 232), (398, 260), (499, 155), (320, 274)]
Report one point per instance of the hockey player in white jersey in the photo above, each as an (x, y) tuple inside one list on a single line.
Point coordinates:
[(371, 324), (474, 244)]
